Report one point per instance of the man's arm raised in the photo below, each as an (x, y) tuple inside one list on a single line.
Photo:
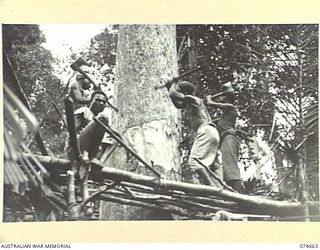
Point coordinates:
[(176, 97), (219, 104), (193, 100)]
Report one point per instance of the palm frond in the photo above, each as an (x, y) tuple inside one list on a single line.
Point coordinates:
[(14, 173)]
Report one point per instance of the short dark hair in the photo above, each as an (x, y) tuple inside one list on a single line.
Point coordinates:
[(97, 92), (187, 87)]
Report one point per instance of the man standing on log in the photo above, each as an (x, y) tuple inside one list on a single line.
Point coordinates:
[(230, 142), (91, 133), (205, 146)]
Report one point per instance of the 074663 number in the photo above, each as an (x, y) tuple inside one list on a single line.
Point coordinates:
[(309, 246)]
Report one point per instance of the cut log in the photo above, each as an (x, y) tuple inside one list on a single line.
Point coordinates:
[(247, 204)]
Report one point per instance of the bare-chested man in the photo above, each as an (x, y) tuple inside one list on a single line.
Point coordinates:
[(206, 143), (77, 93), (230, 142), (90, 133)]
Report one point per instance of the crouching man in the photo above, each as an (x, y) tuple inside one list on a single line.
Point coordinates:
[(89, 132)]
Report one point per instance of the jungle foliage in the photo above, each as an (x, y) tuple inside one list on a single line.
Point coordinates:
[(273, 67)]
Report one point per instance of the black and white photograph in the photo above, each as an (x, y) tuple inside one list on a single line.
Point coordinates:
[(160, 122)]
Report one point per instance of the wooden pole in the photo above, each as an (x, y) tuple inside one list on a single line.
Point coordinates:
[(250, 202), (123, 144), (246, 203)]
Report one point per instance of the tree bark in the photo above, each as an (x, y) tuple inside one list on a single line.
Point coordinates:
[(149, 123)]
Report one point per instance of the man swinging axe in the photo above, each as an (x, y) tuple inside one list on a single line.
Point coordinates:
[(205, 146), (203, 64), (84, 83), (230, 142)]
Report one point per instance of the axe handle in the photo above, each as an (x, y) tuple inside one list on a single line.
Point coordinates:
[(217, 95), (116, 136), (88, 77), (115, 108), (175, 79), (72, 126)]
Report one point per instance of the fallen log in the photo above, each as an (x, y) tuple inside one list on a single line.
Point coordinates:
[(168, 201), (249, 204), (52, 163), (124, 201)]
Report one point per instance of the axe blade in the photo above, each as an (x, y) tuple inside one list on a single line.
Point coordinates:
[(78, 63)]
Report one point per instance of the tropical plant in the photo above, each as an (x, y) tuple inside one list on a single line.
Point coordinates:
[(275, 69)]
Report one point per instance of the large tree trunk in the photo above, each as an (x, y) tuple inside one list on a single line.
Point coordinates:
[(148, 121)]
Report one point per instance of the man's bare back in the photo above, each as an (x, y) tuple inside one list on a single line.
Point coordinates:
[(197, 113), (206, 143), (77, 90)]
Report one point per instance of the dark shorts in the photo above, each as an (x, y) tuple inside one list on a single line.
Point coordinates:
[(230, 152)]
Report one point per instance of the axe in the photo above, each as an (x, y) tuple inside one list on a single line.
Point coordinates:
[(203, 63), (76, 66)]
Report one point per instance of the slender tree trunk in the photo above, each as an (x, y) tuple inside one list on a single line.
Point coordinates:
[(302, 159), (148, 121)]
